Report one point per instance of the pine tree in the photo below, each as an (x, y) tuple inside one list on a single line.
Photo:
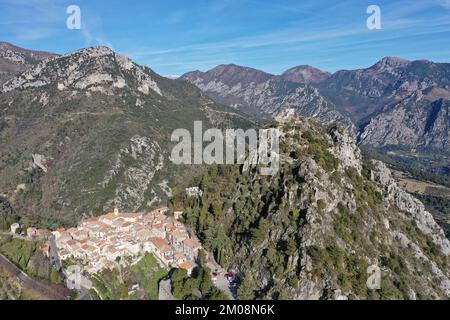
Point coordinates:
[(246, 290)]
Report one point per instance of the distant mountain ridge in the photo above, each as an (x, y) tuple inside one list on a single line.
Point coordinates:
[(14, 60), (380, 100), (362, 92), (256, 92), (305, 74), (396, 103)]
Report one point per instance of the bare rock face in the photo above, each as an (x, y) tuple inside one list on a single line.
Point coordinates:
[(92, 69), (410, 207), (148, 159), (415, 122), (14, 60), (340, 215), (346, 150), (40, 162), (396, 103), (400, 208)]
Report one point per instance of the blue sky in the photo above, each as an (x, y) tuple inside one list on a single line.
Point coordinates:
[(174, 36)]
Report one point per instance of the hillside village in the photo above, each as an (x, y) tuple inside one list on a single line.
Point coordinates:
[(100, 241)]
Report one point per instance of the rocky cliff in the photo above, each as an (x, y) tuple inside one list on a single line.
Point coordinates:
[(396, 103), (416, 123), (312, 230)]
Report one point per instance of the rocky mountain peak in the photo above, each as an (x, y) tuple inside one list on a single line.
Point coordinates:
[(93, 69), (95, 121), (233, 74), (305, 74), (350, 214), (389, 63)]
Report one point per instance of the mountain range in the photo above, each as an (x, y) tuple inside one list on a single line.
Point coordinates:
[(395, 103), (261, 94)]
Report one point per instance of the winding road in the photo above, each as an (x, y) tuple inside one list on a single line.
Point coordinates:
[(28, 282)]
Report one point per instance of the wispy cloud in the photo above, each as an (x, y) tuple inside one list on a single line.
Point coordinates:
[(32, 20), (34, 34), (444, 3), (175, 36)]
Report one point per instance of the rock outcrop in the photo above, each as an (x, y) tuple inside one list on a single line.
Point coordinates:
[(316, 228)]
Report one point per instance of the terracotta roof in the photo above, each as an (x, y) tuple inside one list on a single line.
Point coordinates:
[(91, 220), (104, 229), (64, 235), (87, 247), (186, 265), (72, 243), (111, 249), (109, 216), (179, 255), (161, 244), (158, 226)]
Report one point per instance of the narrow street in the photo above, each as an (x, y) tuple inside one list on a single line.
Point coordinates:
[(54, 255), (222, 282), (165, 290)]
